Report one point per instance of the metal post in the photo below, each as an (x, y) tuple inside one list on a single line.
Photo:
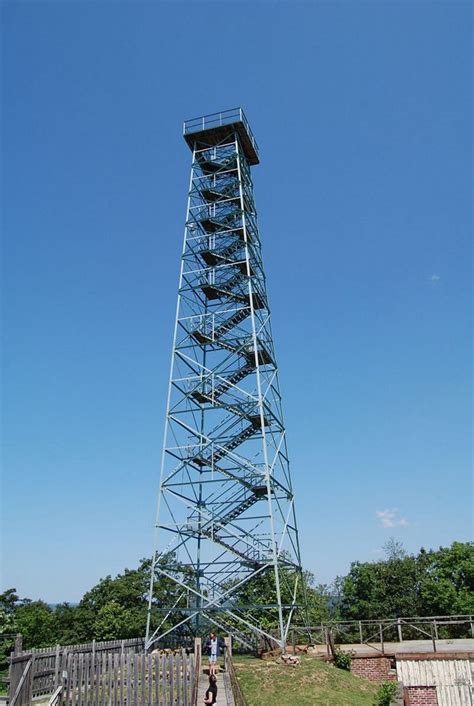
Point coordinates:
[(433, 637), (435, 627), (381, 638), (399, 630), (360, 632), (471, 623)]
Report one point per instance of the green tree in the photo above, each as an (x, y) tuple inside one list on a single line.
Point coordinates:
[(384, 589), (68, 625), (447, 580), (112, 622), (431, 583), (35, 621), (130, 591), (8, 627)]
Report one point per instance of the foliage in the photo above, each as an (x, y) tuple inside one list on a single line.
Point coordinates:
[(35, 621), (342, 659), (112, 620), (447, 584), (387, 694), (8, 602), (431, 583)]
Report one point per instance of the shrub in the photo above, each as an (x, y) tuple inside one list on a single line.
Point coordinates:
[(387, 694), (342, 659)]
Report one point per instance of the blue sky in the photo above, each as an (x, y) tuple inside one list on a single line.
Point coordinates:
[(362, 111)]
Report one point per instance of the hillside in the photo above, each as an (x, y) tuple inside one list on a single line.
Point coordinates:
[(311, 683)]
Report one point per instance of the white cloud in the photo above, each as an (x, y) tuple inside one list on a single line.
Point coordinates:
[(435, 278), (391, 518)]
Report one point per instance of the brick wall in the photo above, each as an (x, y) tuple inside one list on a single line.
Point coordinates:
[(373, 668), (420, 696)]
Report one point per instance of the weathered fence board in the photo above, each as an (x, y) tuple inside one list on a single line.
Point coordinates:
[(101, 677), (119, 680)]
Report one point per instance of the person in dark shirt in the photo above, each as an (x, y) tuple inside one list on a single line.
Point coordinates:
[(213, 647), (211, 693)]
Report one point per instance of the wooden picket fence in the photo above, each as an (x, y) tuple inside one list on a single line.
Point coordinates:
[(107, 679)]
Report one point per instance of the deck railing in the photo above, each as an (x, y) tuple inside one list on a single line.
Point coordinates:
[(376, 633), (225, 117)]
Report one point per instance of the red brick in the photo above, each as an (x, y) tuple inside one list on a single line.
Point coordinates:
[(421, 695), (375, 669)]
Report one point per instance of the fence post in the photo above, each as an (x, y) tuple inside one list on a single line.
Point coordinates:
[(399, 630), (197, 669), (56, 666), (472, 626), (435, 626), (18, 644), (93, 649), (32, 678), (360, 632), (293, 640), (381, 638), (433, 637), (197, 647)]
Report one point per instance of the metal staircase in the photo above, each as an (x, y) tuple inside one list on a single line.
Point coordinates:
[(225, 444), (219, 390), (251, 430)]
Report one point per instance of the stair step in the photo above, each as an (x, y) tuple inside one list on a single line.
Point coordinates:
[(257, 493), (228, 325), (217, 538), (211, 166), (232, 443), (248, 351), (240, 374), (216, 292), (212, 291), (214, 195)]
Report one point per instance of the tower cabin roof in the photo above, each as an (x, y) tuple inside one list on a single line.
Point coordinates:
[(216, 128)]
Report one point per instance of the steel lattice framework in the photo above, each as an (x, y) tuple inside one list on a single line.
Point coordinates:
[(226, 505)]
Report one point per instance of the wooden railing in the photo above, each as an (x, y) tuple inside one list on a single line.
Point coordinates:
[(376, 633), (237, 692), (197, 671)]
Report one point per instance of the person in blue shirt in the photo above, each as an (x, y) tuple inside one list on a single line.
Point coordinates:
[(213, 646)]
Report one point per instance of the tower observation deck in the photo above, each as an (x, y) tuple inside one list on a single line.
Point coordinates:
[(226, 523)]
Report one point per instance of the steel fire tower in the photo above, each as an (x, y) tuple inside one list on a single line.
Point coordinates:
[(226, 508)]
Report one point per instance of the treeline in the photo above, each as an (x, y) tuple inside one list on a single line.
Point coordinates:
[(431, 583)]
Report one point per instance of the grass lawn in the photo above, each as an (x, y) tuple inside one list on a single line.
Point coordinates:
[(311, 683)]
